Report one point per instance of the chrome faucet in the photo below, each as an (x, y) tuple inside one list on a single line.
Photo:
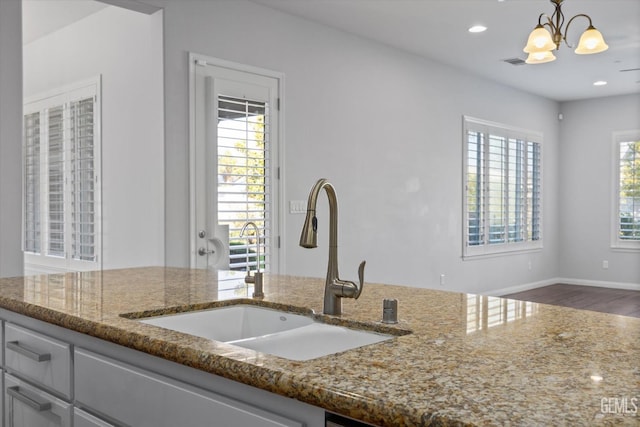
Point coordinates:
[(335, 289), (256, 279)]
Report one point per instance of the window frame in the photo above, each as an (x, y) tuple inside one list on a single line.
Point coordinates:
[(617, 243), (498, 249), (44, 262)]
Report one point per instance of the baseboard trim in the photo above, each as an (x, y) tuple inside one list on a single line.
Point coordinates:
[(520, 288), (565, 280), (600, 284)]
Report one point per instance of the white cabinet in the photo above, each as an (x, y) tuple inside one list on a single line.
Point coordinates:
[(37, 379), (66, 378), (137, 397), (28, 406)]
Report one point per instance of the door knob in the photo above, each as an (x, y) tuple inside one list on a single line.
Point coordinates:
[(203, 251)]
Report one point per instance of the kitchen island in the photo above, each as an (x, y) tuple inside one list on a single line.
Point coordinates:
[(469, 359)]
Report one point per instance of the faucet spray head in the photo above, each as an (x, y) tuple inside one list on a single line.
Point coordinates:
[(309, 235)]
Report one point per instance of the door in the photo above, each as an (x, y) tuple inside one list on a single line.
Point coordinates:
[(234, 167)]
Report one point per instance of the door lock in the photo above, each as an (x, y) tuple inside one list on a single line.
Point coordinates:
[(203, 251), (202, 234)]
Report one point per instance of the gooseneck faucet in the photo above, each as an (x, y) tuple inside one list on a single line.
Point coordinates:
[(335, 289), (256, 279)]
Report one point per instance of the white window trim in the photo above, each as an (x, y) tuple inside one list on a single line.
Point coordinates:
[(617, 243), (501, 249), (43, 263)]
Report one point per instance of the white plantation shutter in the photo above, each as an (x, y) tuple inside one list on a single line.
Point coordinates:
[(31, 191), (61, 197), (243, 178), (502, 189), (83, 178), (533, 196), (55, 177), (626, 232)]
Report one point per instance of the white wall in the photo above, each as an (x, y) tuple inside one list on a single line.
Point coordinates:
[(384, 126), (124, 47), (10, 138), (586, 187)]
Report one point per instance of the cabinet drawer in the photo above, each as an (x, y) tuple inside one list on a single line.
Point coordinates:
[(28, 406), (83, 419), (140, 398), (38, 358)]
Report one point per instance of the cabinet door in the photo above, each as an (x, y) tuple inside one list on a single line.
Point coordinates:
[(140, 398), (27, 406)]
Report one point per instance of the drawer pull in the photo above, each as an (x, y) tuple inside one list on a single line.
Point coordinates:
[(27, 400), (27, 352)]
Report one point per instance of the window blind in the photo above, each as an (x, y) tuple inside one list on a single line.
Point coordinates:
[(56, 178), (629, 191), (503, 189), (243, 178), (83, 211), (31, 191)]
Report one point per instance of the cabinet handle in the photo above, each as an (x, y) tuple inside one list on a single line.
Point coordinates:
[(27, 352), (32, 403)]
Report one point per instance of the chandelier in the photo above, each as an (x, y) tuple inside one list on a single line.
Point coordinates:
[(542, 41)]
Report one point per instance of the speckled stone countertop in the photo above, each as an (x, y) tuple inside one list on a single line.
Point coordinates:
[(470, 360)]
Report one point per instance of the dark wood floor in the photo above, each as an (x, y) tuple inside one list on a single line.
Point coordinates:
[(606, 300)]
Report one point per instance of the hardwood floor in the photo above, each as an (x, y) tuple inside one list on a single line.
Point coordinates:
[(606, 300)]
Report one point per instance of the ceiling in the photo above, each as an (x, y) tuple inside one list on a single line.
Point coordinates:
[(437, 29), (40, 17)]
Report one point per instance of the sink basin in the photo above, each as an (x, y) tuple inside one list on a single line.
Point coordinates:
[(312, 341), (231, 323), (267, 330)]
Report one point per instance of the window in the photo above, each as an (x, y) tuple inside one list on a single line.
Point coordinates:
[(243, 178), (502, 203), (61, 198), (626, 228)]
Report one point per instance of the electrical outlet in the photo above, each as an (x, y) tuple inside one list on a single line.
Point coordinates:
[(442, 281), (605, 264), (530, 266)]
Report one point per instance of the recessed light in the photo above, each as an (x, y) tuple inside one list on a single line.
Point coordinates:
[(477, 29), (599, 83)]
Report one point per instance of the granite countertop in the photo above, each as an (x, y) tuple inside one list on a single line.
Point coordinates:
[(470, 360)]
